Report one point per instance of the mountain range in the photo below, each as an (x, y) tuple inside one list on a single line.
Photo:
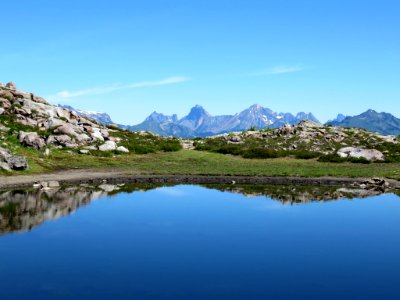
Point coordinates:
[(371, 120), (199, 123)]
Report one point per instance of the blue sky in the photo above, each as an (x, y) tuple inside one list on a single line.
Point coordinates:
[(129, 58)]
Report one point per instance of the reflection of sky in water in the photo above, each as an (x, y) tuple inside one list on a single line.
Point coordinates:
[(189, 242)]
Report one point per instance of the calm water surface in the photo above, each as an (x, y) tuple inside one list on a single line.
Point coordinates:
[(192, 242)]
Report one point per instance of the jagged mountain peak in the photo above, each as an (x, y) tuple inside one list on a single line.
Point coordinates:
[(161, 118), (197, 111)]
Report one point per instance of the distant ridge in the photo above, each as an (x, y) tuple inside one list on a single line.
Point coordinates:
[(100, 117), (371, 120)]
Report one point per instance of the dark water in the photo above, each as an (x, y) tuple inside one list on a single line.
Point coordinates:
[(191, 242)]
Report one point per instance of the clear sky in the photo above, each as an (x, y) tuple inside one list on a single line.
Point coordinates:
[(129, 58)]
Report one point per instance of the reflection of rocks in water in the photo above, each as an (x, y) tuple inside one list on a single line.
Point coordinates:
[(295, 194), (21, 210)]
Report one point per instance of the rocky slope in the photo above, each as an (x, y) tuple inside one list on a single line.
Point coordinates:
[(32, 122), (306, 140)]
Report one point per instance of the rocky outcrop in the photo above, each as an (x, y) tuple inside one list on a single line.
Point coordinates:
[(31, 110), (312, 138), (51, 126)]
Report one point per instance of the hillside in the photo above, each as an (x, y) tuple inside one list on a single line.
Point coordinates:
[(305, 141), (31, 127)]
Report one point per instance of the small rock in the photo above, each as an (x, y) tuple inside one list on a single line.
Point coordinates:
[(122, 149), (84, 151), (53, 184), (44, 184), (235, 139), (11, 86), (108, 187), (108, 146), (36, 185)]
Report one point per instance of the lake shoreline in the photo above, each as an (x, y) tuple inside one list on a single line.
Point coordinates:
[(116, 177)]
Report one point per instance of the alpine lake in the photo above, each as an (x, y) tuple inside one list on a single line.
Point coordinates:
[(131, 241)]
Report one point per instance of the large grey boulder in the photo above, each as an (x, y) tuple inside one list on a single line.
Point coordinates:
[(355, 152), (17, 163), (31, 139), (58, 140), (96, 135), (82, 138), (21, 95), (68, 129), (9, 162), (53, 123)]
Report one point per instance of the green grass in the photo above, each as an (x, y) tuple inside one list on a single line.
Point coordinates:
[(205, 163)]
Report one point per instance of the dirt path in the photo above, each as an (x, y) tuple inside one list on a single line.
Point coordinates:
[(98, 176)]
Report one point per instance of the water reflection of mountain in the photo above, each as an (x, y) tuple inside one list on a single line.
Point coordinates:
[(21, 210)]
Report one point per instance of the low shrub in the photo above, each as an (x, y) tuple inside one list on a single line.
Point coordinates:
[(306, 155), (262, 153), (359, 160), (332, 158)]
